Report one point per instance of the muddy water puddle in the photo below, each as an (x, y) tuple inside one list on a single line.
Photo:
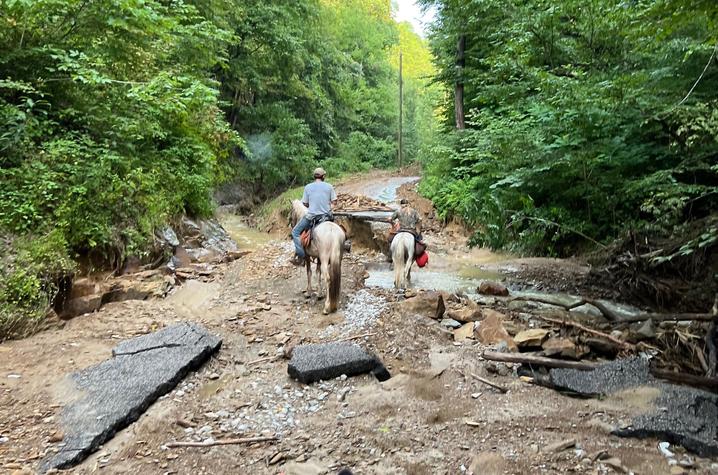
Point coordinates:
[(464, 279), (248, 238)]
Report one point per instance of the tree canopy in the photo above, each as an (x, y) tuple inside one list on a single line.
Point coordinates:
[(584, 118)]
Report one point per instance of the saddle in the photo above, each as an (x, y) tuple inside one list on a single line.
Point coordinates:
[(419, 246)]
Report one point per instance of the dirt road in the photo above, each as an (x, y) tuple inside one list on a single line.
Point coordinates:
[(431, 417)]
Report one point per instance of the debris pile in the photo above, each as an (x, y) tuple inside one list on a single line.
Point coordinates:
[(349, 203)]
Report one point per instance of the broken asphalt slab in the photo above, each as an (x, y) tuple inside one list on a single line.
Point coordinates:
[(117, 391), (679, 414), (325, 361)]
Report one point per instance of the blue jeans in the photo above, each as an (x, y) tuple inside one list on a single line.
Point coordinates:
[(303, 224)]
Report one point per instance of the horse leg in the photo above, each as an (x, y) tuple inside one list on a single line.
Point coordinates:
[(308, 264), (325, 276), (407, 267), (319, 279)]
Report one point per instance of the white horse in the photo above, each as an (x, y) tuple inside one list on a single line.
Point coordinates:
[(402, 256), (327, 247)]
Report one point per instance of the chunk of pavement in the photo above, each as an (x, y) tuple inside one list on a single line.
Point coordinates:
[(679, 414), (605, 379), (117, 391), (531, 338), (324, 361), (682, 415)]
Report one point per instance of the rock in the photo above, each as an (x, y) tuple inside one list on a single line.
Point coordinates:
[(488, 463), (55, 437), (647, 330), (491, 330), (465, 314), (493, 288), (563, 347), (450, 323), (117, 391), (325, 361), (430, 304), (587, 309), (167, 237), (602, 346), (464, 332), (531, 338), (678, 470), (560, 446), (496, 367)]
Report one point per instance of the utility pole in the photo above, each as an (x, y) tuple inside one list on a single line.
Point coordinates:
[(401, 105)]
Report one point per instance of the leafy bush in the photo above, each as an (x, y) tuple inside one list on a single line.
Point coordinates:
[(30, 270)]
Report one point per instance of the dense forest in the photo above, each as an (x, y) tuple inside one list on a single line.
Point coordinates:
[(579, 119), (118, 116)]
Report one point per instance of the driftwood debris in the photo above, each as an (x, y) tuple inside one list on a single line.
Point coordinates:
[(536, 360), (212, 443), (688, 379), (614, 317), (489, 383)]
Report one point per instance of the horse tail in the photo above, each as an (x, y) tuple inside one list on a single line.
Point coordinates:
[(335, 277)]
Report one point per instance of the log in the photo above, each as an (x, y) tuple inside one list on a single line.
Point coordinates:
[(363, 218), (616, 318), (489, 383), (537, 360), (688, 379), (212, 443)]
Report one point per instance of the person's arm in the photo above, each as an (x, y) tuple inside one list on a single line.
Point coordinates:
[(333, 198), (305, 199)]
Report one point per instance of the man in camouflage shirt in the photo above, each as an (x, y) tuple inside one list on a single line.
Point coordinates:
[(406, 219)]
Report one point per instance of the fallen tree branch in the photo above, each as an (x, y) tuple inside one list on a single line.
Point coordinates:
[(262, 360), (349, 338), (689, 379), (212, 443), (583, 328), (617, 318), (489, 383), (536, 360)]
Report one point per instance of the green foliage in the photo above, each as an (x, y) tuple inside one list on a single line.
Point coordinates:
[(30, 270), (577, 126)]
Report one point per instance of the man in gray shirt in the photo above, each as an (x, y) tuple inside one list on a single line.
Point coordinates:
[(319, 197)]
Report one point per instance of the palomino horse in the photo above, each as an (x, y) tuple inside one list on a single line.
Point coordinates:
[(402, 256), (328, 247)]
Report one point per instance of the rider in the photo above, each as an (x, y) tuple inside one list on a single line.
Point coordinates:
[(319, 197), (406, 219)]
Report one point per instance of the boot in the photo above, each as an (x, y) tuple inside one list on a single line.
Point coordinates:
[(297, 260)]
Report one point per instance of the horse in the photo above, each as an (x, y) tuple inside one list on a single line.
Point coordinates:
[(402, 256), (327, 247)]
